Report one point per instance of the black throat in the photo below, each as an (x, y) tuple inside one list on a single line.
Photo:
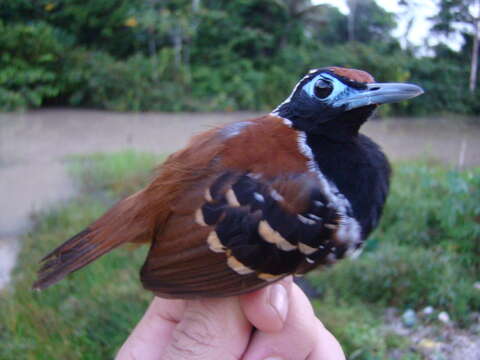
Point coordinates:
[(360, 171)]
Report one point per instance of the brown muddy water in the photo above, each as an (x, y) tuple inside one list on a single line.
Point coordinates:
[(34, 144)]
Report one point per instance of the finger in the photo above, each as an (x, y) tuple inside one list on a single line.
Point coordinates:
[(326, 346), (296, 341), (267, 309), (154, 331), (210, 329)]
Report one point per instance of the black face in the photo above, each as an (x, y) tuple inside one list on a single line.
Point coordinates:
[(326, 103), (312, 106)]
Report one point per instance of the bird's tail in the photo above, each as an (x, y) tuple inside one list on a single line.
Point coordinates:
[(126, 222)]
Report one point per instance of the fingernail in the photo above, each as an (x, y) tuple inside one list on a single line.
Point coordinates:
[(279, 301)]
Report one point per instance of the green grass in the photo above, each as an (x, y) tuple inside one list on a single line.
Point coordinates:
[(85, 316), (424, 253), (107, 173), (89, 314), (403, 276), (359, 328), (435, 208)]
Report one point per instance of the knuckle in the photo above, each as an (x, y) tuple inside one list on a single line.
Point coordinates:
[(198, 330), (201, 335), (194, 336)]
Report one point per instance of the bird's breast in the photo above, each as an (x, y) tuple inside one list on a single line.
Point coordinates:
[(359, 171)]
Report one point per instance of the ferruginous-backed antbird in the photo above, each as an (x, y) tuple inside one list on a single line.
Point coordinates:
[(250, 202)]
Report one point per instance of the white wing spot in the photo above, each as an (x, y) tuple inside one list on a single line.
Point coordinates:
[(305, 220), (314, 217), (232, 199), (238, 267), (269, 277), (259, 197), (199, 218), (305, 249), (208, 195), (214, 243), (275, 195), (273, 237)]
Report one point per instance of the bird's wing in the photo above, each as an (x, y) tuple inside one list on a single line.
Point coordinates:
[(246, 221)]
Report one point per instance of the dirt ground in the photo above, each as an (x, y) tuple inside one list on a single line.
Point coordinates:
[(34, 144)]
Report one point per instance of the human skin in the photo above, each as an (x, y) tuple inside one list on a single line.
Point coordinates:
[(285, 325)]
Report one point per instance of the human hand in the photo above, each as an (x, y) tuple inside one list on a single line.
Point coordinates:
[(211, 329)]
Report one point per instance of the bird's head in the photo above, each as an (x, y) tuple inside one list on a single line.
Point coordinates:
[(335, 102)]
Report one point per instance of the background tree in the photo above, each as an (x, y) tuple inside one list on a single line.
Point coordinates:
[(352, 7), (409, 8), (331, 27), (461, 16), (368, 22), (205, 55)]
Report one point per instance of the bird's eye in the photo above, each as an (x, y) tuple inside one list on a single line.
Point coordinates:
[(323, 88)]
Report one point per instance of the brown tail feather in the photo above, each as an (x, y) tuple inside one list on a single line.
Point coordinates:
[(125, 222)]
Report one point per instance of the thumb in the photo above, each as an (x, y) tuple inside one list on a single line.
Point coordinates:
[(210, 329)]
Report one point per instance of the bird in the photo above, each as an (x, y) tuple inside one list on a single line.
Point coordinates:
[(248, 203)]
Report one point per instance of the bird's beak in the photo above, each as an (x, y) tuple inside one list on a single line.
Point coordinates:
[(380, 93)]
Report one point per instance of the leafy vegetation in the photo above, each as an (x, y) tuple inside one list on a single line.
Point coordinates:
[(466, 15), (421, 255), (405, 277), (28, 73), (436, 209), (209, 55), (106, 173)]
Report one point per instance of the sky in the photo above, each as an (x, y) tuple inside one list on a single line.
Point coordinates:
[(422, 10)]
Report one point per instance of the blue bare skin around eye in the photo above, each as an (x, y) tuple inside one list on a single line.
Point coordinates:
[(340, 90)]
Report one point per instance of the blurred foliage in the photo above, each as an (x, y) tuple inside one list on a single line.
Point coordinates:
[(404, 276), (360, 330), (104, 173), (96, 79), (435, 209), (29, 73), (454, 12), (198, 55)]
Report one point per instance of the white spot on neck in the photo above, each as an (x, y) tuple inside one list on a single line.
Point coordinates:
[(287, 122)]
